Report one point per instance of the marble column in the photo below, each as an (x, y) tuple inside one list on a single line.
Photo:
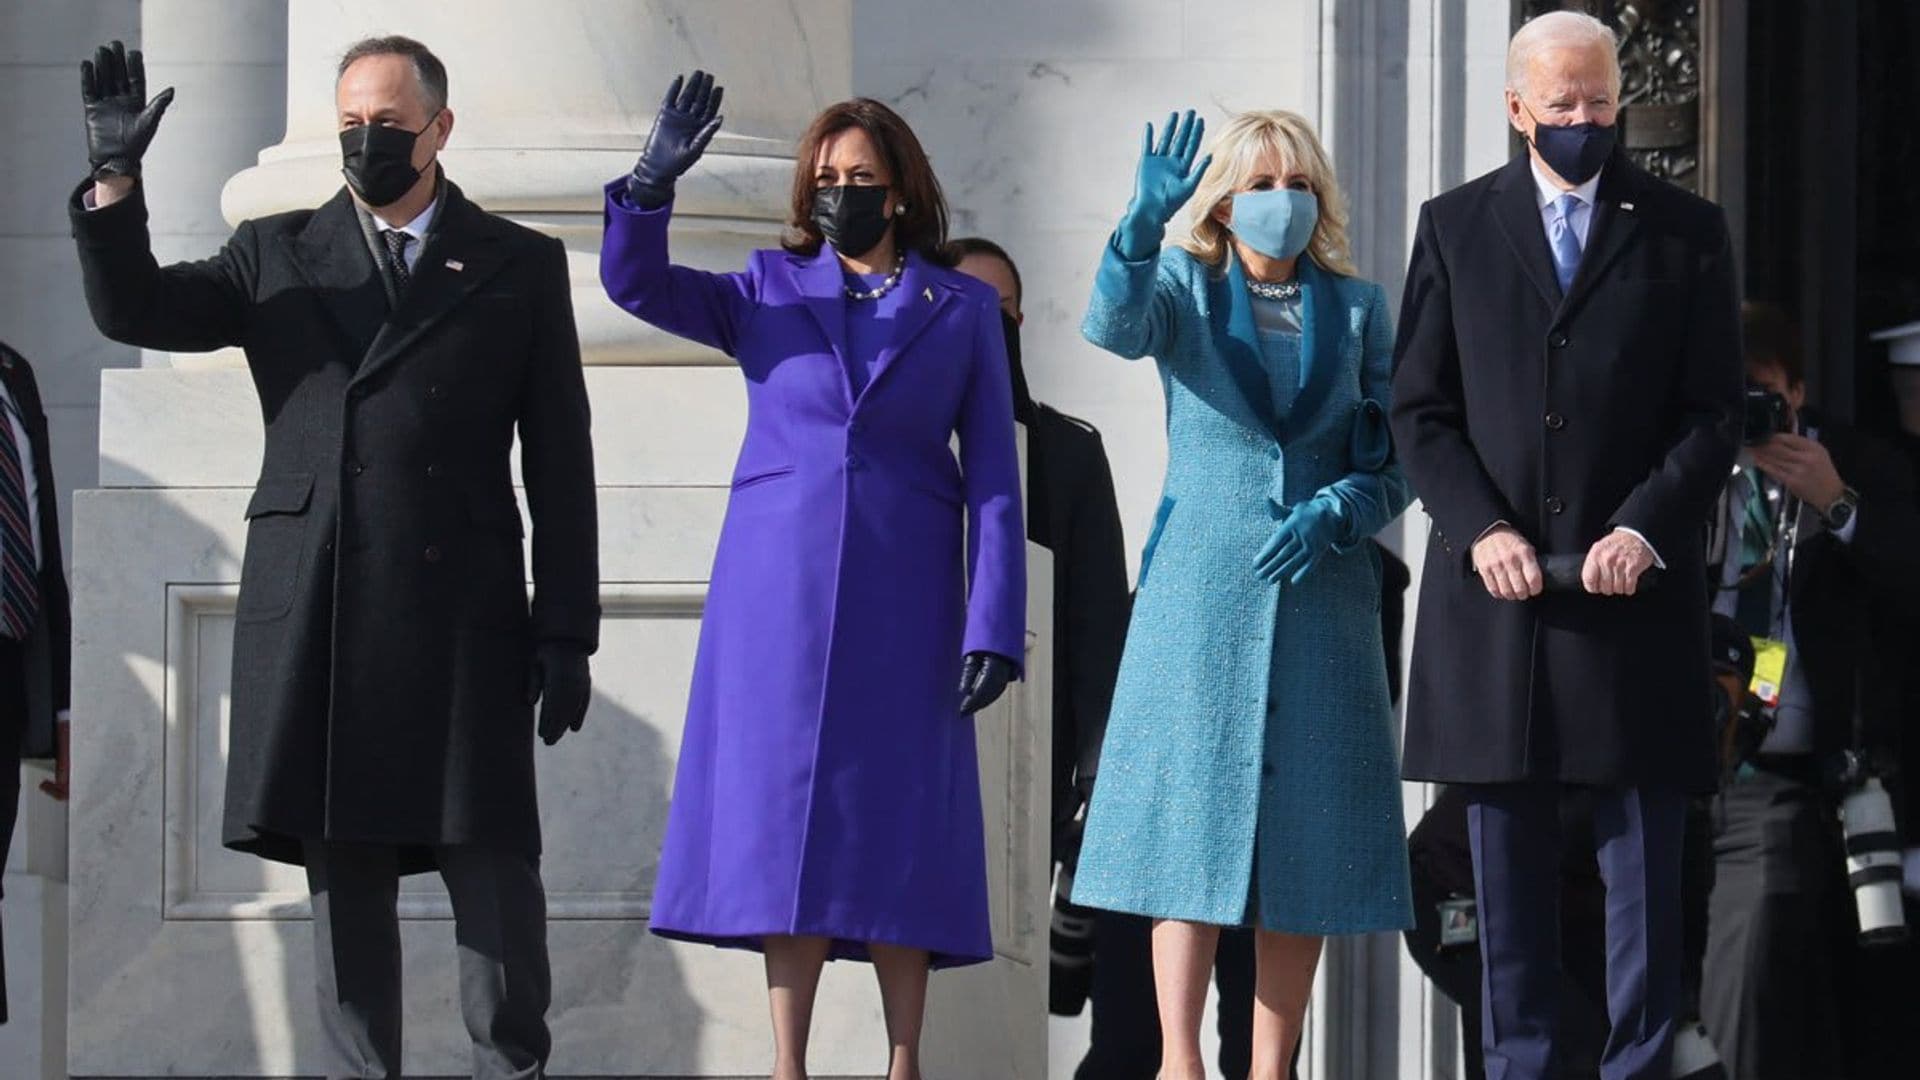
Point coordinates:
[(227, 65), (197, 961)]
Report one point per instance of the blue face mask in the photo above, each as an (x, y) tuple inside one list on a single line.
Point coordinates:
[(1277, 223)]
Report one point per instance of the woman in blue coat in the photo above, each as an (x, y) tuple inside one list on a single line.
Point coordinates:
[(1249, 775), (868, 593)]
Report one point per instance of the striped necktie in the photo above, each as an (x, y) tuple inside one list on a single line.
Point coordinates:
[(19, 576), (397, 242)]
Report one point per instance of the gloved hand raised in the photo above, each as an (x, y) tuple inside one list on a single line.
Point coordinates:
[(686, 123), (120, 120), (1301, 540), (1166, 180), (983, 678), (561, 683)]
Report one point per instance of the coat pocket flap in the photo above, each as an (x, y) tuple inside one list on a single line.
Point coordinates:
[(494, 515), (286, 494)]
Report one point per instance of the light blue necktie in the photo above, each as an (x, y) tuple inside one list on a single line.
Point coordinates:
[(1565, 242)]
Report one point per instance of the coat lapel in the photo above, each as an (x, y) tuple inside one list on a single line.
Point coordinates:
[(1613, 229), (331, 256), (1323, 342), (925, 295), (821, 285), (1238, 343), (462, 252), (1516, 206)]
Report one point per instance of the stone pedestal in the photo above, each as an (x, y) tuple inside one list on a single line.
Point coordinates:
[(196, 961)]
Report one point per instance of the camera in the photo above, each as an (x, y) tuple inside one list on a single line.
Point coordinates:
[(1766, 415), (1873, 853)]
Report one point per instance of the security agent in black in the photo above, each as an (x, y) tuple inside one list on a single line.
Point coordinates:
[(1815, 551)]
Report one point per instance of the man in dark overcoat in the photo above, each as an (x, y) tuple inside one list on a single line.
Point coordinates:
[(1568, 383), (386, 662)]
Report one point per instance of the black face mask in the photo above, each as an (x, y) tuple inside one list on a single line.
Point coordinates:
[(1022, 396), (378, 161), (1574, 151), (852, 217)]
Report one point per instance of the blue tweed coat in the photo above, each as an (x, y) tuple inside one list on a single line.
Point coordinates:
[(1249, 773)]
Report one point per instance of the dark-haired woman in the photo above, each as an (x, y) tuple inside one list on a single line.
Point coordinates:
[(827, 799)]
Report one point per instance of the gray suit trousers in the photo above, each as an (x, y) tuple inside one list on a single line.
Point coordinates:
[(500, 924)]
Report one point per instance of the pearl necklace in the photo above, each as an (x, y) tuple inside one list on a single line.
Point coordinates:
[(1274, 290), (885, 287)]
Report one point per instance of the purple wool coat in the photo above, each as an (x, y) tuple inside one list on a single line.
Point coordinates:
[(827, 783)]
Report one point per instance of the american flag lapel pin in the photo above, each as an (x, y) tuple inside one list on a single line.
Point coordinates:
[(456, 265), (928, 293)]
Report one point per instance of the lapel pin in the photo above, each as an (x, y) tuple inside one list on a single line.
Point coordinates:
[(1626, 206), (928, 293), (456, 265)]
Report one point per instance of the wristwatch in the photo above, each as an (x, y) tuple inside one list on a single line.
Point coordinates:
[(1841, 512)]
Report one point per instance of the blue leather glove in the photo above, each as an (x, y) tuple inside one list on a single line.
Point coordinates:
[(686, 123), (1166, 180), (1301, 540)]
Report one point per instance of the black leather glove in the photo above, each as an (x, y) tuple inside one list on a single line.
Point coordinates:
[(120, 119), (983, 678), (686, 123), (561, 683)]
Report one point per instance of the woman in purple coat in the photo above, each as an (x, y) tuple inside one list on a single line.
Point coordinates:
[(868, 594)]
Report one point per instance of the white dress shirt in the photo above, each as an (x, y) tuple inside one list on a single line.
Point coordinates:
[(1547, 192), (31, 479), (417, 228)]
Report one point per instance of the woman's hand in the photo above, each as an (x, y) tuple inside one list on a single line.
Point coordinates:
[(1301, 540), (1166, 180), (686, 123), (983, 678)]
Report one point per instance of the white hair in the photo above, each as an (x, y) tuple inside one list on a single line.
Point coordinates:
[(1558, 30)]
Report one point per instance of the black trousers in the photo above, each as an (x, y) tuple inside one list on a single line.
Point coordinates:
[(13, 732), (500, 924), (1779, 933)]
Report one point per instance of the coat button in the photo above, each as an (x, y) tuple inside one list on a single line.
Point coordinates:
[(434, 391), (433, 471), (1558, 340), (1273, 453), (1266, 768), (357, 468), (854, 462), (432, 554), (1556, 505), (1555, 421), (855, 427)]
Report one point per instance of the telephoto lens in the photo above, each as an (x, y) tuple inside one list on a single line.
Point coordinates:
[(1694, 1055), (1071, 960), (1873, 862)]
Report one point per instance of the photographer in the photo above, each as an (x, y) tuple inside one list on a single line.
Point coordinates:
[(1814, 552)]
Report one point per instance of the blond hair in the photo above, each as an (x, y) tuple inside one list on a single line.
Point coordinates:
[(1237, 154)]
